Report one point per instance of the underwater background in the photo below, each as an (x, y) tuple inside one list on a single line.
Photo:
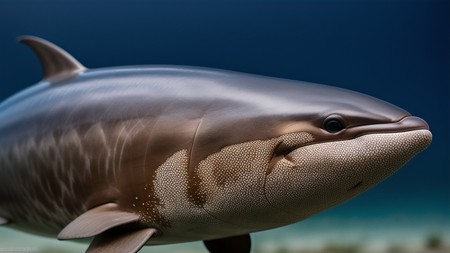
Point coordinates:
[(398, 51)]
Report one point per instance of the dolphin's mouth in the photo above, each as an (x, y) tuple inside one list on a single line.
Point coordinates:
[(405, 124)]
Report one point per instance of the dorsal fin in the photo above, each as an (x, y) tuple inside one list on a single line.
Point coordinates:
[(57, 63)]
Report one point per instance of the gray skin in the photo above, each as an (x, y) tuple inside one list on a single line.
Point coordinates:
[(166, 154)]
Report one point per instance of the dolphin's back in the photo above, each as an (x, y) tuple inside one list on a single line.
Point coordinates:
[(118, 94)]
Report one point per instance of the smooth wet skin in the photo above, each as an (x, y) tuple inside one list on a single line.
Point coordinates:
[(167, 154)]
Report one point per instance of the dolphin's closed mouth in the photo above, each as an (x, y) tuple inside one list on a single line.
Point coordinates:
[(408, 123)]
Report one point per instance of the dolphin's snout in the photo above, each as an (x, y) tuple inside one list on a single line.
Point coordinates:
[(414, 123)]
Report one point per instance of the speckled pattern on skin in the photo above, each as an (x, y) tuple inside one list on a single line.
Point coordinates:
[(231, 181)]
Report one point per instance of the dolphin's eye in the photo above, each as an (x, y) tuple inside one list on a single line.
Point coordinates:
[(333, 125)]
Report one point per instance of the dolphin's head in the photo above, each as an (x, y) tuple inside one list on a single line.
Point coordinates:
[(349, 142), (293, 149)]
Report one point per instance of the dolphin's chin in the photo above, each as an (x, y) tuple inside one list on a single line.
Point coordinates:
[(315, 177)]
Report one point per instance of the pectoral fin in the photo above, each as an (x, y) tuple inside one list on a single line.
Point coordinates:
[(235, 244), (119, 240), (96, 221)]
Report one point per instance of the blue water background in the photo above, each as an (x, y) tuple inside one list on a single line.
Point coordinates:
[(398, 51)]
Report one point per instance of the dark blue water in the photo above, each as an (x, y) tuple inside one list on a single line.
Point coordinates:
[(398, 51)]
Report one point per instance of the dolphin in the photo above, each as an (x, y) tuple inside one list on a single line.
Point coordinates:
[(134, 156)]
